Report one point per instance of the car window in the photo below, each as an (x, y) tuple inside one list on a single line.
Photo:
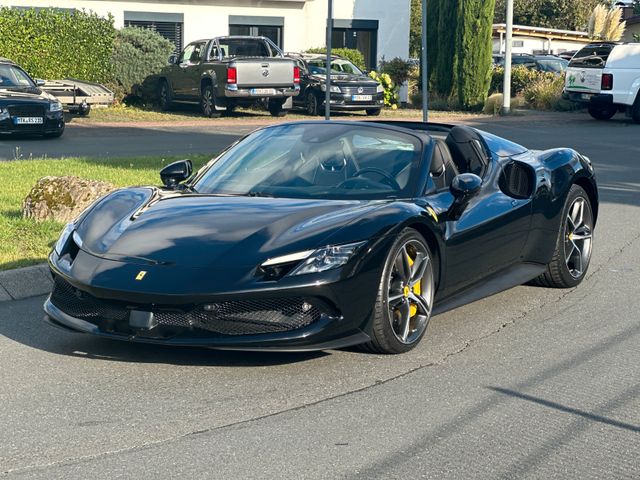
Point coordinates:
[(186, 53), (245, 47), (12, 76), (317, 161), (197, 53), (592, 56)]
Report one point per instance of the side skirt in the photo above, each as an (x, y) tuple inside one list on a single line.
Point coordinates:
[(503, 280)]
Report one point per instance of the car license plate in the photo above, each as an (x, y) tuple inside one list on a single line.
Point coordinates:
[(28, 120), (361, 98), (263, 91), (585, 96)]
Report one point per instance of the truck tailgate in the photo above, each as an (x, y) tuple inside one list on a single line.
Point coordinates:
[(587, 80), (264, 72)]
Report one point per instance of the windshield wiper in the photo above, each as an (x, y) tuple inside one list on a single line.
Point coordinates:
[(258, 194)]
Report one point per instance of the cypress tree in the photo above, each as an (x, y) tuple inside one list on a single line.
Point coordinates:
[(445, 61), (473, 47)]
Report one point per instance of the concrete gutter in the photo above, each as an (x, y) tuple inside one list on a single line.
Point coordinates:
[(25, 282)]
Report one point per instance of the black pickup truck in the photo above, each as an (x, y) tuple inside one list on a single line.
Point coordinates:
[(224, 72)]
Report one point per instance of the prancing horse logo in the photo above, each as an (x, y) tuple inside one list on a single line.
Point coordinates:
[(141, 275)]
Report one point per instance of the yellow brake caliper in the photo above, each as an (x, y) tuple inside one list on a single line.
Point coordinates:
[(417, 289)]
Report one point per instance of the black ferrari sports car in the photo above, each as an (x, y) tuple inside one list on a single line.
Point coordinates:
[(24, 107), (318, 235)]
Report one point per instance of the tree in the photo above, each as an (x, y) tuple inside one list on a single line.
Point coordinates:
[(415, 29), (606, 24), (560, 14), (473, 52), (636, 7)]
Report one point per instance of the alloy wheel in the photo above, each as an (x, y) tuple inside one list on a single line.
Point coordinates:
[(410, 292), (578, 237)]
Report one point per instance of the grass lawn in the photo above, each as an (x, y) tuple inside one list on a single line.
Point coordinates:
[(26, 242), (191, 113)]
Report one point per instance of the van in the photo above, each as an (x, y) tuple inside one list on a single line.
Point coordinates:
[(606, 78)]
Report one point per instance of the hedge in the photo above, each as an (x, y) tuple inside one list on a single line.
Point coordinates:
[(137, 54), (50, 43)]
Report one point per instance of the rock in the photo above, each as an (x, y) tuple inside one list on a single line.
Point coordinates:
[(62, 198)]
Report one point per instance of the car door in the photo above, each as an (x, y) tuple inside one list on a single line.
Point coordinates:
[(491, 232), (187, 79)]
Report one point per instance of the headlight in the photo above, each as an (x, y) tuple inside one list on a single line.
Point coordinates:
[(55, 107), (333, 89), (379, 88), (327, 258), (64, 237), (4, 113)]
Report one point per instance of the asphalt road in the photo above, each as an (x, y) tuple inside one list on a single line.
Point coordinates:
[(530, 383)]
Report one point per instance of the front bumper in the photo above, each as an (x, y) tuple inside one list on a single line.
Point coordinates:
[(53, 123), (316, 317), (345, 102)]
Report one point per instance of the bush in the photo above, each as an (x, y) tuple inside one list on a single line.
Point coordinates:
[(353, 55), (50, 43), (546, 94), (137, 54), (398, 69), (521, 77), (390, 93)]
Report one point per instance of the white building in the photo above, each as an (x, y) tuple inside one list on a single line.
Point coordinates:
[(375, 27), (538, 40)]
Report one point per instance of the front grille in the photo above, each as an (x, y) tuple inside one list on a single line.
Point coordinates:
[(26, 110), (354, 90), (238, 317)]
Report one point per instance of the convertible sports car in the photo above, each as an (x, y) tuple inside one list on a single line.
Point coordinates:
[(318, 235)]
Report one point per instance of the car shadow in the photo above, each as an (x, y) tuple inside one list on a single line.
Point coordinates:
[(22, 321)]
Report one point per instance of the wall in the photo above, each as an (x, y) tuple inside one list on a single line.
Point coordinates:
[(539, 44)]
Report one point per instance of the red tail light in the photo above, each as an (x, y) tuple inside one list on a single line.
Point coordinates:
[(607, 81), (296, 74), (232, 75)]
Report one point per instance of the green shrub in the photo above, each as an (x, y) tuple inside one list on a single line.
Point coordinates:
[(398, 69), (546, 94), (351, 54), (521, 77), (137, 54), (51, 43), (390, 92)]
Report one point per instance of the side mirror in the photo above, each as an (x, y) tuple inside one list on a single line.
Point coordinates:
[(40, 82), (176, 172), (463, 188), (173, 59)]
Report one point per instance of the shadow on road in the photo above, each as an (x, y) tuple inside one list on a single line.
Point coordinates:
[(32, 331)]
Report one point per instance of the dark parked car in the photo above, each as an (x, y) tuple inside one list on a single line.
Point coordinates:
[(24, 107), (351, 89), (542, 63), (318, 235)]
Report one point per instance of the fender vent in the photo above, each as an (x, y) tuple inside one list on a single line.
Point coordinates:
[(516, 180)]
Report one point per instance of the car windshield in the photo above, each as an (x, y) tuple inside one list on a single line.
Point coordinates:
[(14, 77), (317, 160), (339, 65)]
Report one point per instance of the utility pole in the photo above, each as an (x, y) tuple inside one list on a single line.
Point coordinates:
[(425, 69), (327, 93), (506, 101)]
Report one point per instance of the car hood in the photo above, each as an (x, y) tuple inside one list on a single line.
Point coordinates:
[(17, 96), (205, 231)]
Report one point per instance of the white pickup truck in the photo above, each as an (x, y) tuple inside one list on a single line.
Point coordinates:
[(606, 78)]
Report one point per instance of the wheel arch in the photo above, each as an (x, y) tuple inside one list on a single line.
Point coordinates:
[(434, 246), (592, 193)]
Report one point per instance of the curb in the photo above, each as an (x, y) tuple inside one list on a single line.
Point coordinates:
[(25, 282)]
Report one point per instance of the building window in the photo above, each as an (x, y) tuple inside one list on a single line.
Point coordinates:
[(169, 25), (518, 43), (360, 35), (270, 27)]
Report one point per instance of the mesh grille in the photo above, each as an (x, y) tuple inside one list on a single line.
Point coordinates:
[(26, 110), (243, 317)]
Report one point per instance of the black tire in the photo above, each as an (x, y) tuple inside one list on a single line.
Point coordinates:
[(373, 112), (275, 109), (387, 321), (635, 110), (165, 96), (562, 271), (208, 103), (311, 104), (602, 113)]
